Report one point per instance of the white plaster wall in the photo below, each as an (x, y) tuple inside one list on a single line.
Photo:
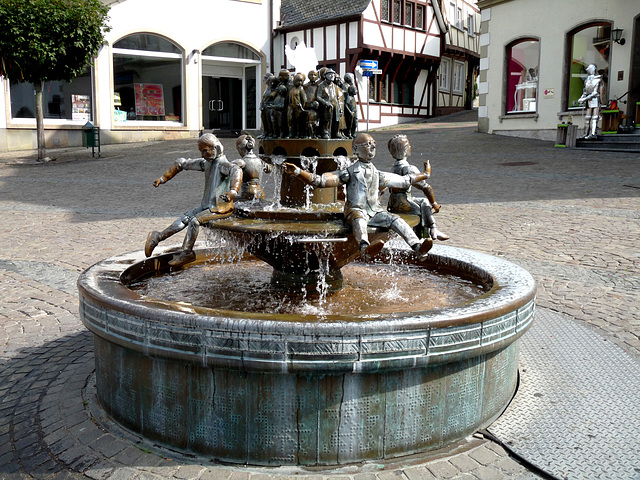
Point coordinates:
[(549, 20), (192, 25)]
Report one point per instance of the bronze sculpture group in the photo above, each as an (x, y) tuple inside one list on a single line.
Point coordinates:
[(323, 107), (226, 181)]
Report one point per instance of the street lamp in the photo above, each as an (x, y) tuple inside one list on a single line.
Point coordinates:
[(616, 34)]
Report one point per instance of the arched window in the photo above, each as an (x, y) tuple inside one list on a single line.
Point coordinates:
[(147, 78), (588, 45), (523, 59)]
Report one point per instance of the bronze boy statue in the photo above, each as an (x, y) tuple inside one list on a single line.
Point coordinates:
[(364, 182), (401, 200), (222, 182)]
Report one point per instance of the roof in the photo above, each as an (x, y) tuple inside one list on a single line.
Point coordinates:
[(301, 12)]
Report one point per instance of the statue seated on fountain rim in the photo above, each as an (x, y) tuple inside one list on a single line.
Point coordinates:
[(401, 200), (222, 183), (362, 208)]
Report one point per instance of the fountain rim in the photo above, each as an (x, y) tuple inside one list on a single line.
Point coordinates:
[(104, 279), (489, 322)]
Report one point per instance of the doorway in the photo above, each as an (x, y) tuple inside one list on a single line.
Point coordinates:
[(633, 110), (222, 103)]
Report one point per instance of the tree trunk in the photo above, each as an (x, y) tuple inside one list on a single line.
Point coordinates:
[(40, 121)]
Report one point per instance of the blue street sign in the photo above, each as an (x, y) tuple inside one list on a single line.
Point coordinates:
[(367, 73), (369, 64)]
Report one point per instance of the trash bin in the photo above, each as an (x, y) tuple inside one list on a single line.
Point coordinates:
[(91, 138)]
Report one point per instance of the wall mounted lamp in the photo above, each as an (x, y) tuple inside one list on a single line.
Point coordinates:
[(616, 34)]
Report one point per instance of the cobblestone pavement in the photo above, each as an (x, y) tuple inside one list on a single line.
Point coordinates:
[(571, 217)]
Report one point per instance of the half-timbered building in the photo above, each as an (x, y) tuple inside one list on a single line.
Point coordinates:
[(461, 58), (405, 37)]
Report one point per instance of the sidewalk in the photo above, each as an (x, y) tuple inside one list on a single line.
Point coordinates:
[(572, 218)]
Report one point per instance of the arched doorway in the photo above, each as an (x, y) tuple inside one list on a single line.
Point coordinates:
[(230, 89)]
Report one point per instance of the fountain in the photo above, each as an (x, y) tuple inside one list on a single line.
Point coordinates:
[(242, 380)]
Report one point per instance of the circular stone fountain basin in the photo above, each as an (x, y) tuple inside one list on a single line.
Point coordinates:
[(261, 389)]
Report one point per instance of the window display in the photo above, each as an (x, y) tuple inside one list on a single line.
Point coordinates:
[(523, 59), (147, 72), (589, 45), (60, 100)]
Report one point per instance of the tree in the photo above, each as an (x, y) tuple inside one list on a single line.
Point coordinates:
[(43, 40)]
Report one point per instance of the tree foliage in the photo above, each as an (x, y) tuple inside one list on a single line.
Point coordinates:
[(44, 40)]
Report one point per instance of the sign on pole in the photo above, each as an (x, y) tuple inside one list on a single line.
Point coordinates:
[(369, 64)]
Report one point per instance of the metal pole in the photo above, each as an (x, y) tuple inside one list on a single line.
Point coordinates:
[(368, 103)]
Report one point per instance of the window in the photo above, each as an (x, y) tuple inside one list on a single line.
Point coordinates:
[(588, 45), (408, 13), (420, 16), (444, 74), (459, 23), (384, 10), (471, 27), (60, 100), (403, 93), (522, 76), (397, 11), (458, 77), (147, 78)]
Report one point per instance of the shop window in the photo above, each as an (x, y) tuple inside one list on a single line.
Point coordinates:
[(147, 78), (233, 50), (523, 59), (588, 45), (444, 75), (60, 100), (458, 77)]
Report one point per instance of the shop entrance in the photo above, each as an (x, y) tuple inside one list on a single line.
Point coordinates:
[(633, 110), (222, 104)]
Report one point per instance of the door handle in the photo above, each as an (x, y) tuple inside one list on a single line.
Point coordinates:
[(220, 105), (212, 105)]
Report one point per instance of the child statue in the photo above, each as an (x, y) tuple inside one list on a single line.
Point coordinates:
[(401, 200), (222, 182), (364, 182), (252, 168)]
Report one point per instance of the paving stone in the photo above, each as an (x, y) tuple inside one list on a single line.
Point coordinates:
[(442, 469), (215, 474), (464, 462), (188, 472), (419, 473), (484, 455)]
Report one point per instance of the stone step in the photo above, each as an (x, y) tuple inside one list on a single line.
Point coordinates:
[(623, 142)]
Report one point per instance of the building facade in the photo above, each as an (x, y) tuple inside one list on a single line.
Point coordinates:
[(461, 58), (405, 37), (534, 57), (166, 72)]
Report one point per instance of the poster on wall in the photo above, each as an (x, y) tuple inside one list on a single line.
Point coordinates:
[(149, 99), (81, 107)]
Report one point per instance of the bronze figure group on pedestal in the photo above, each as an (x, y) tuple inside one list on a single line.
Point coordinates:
[(323, 107)]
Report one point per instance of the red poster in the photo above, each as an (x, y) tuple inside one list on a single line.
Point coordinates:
[(149, 99)]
